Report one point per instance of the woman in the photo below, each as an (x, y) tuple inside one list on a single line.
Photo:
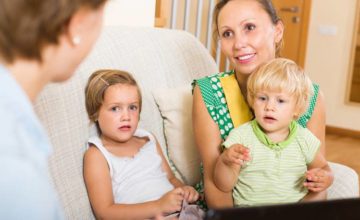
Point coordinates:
[(40, 42), (250, 34)]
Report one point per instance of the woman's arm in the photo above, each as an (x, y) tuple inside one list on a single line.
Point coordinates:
[(316, 124), (208, 141), (317, 169), (165, 166), (98, 184)]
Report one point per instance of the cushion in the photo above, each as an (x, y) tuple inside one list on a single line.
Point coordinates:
[(175, 106)]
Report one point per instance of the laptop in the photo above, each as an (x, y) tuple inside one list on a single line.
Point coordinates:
[(340, 209)]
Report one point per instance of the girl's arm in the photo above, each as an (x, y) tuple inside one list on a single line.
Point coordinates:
[(208, 141), (98, 184), (165, 166), (188, 192)]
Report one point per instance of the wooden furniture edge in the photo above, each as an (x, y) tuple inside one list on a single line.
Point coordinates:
[(342, 132)]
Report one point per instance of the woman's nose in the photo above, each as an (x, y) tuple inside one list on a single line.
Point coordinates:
[(240, 41)]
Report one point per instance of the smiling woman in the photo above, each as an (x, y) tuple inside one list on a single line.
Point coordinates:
[(250, 34)]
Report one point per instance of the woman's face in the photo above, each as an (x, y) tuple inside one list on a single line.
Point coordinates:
[(247, 35)]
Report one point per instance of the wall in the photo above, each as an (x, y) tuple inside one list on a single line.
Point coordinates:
[(130, 13), (180, 12), (329, 52)]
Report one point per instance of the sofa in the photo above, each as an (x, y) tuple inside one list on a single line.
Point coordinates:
[(164, 62)]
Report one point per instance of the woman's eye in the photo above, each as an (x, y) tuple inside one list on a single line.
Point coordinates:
[(227, 34), (250, 27)]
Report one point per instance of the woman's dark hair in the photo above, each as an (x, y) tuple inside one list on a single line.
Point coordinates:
[(26, 26)]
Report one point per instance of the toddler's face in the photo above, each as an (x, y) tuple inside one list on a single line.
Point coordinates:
[(119, 113), (274, 110)]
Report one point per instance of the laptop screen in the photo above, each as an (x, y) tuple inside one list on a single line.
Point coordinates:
[(342, 209)]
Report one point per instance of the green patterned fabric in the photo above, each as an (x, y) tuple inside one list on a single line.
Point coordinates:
[(215, 102), (214, 98), (303, 120)]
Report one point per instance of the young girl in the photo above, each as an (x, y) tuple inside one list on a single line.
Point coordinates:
[(266, 159), (125, 171)]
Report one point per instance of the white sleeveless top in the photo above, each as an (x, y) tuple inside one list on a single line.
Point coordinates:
[(136, 179)]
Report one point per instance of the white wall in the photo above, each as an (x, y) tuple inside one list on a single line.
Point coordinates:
[(130, 13), (328, 49), (328, 57)]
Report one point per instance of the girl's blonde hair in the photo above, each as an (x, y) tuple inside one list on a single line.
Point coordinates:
[(281, 75), (96, 87)]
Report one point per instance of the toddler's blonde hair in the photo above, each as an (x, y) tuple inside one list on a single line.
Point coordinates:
[(281, 75)]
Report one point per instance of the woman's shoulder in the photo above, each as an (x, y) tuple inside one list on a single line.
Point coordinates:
[(212, 77), (303, 120)]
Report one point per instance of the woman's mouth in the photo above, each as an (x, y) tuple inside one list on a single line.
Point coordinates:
[(245, 58)]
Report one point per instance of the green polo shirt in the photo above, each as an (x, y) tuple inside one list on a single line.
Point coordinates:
[(275, 173)]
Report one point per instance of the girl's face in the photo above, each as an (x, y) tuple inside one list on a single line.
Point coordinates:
[(119, 114), (247, 35)]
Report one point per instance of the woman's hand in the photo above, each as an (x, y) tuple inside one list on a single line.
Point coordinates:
[(190, 194), (318, 179)]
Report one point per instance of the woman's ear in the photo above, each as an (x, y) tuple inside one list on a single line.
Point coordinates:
[(77, 25), (279, 31)]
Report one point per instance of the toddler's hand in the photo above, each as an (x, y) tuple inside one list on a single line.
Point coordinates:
[(171, 201), (190, 194), (236, 155), (318, 179)]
